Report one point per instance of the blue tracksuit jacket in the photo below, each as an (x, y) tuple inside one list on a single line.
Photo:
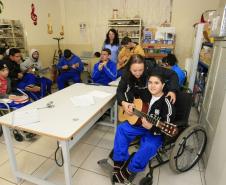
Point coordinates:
[(70, 73), (180, 74), (106, 75)]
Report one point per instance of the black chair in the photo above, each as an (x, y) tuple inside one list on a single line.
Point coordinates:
[(182, 152)]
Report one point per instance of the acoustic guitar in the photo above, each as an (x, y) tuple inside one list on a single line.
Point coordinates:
[(139, 111)]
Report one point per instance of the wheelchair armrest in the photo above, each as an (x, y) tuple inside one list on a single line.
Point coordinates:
[(6, 105), (22, 92), (29, 94)]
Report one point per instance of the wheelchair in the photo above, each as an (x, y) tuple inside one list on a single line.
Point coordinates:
[(182, 152), (6, 108)]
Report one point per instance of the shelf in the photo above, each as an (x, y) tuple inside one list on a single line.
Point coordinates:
[(155, 55), (124, 25), (157, 46), (5, 28), (6, 37), (5, 25), (12, 34), (130, 37), (127, 27), (132, 19), (11, 37)]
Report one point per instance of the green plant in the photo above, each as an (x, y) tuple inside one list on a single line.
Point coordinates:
[(1, 6)]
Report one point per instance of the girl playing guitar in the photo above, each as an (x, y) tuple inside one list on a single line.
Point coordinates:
[(151, 136)]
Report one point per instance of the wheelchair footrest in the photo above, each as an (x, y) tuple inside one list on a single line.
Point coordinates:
[(105, 165), (146, 181)]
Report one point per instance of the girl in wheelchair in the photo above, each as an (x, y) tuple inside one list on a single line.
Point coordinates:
[(151, 137), (5, 86), (9, 102)]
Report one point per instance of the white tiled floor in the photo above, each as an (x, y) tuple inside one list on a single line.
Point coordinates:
[(37, 157)]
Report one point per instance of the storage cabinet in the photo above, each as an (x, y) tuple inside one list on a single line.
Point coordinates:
[(158, 42), (201, 74), (211, 109), (12, 35), (127, 27)]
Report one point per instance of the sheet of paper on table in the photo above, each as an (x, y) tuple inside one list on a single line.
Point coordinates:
[(83, 100), (23, 117)]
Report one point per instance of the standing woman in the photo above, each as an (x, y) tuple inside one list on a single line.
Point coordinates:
[(112, 42)]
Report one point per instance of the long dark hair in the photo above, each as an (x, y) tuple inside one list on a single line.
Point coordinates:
[(135, 59), (116, 39)]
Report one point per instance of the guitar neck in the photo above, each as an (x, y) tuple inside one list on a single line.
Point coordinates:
[(167, 128), (139, 113)]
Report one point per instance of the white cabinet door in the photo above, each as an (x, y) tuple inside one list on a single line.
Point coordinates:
[(214, 95), (216, 167)]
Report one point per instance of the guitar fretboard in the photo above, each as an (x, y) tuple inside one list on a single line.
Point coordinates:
[(142, 114), (167, 128)]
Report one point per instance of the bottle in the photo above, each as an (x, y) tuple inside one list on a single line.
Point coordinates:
[(115, 14)]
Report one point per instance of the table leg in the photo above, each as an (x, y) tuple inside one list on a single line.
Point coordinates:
[(115, 115), (67, 163), (9, 146)]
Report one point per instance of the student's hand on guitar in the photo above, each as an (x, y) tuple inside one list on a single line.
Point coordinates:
[(33, 88), (65, 67), (172, 96), (30, 70), (146, 124), (128, 107), (20, 75), (75, 65)]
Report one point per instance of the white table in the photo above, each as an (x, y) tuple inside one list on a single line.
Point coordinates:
[(115, 82), (65, 122)]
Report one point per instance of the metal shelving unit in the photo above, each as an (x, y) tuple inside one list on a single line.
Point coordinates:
[(127, 27), (12, 35)]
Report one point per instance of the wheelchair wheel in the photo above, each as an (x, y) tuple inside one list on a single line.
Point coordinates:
[(188, 149), (146, 181)]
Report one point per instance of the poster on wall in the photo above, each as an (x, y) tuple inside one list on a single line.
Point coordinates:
[(83, 31)]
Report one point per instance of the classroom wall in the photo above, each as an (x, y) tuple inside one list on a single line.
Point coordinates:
[(95, 13), (222, 3), (36, 36), (184, 15)]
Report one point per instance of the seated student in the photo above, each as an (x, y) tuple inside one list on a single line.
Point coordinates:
[(2, 53), (13, 64), (18, 79), (70, 67), (5, 89), (170, 62), (151, 136), (105, 70), (14, 101), (33, 66), (129, 48)]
